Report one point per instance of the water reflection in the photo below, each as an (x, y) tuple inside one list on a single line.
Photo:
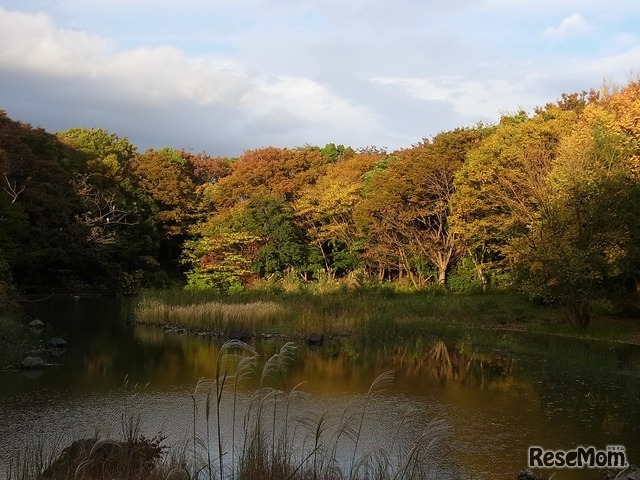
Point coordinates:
[(497, 394)]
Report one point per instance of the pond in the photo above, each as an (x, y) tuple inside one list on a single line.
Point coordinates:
[(495, 393)]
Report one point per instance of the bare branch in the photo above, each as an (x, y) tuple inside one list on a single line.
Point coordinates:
[(12, 189), (102, 211)]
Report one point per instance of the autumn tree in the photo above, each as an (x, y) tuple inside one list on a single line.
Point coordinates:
[(277, 172), (583, 238), (164, 176), (499, 189), (325, 210), (407, 205)]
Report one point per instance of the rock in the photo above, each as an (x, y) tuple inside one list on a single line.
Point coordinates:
[(58, 342), (632, 473), (29, 363), (315, 339), (242, 336), (137, 458), (36, 323), (528, 475)]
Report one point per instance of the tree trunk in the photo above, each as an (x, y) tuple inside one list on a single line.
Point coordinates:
[(579, 312), (442, 262)]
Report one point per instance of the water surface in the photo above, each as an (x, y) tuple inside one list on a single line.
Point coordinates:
[(496, 393)]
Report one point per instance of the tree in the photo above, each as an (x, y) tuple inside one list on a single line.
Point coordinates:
[(233, 248), (104, 153), (163, 175), (583, 237), (500, 187), (221, 258), (115, 213), (276, 172), (44, 248), (325, 210), (407, 204), (283, 248)]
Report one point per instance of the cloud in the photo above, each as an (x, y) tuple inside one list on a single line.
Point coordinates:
[(228, 75), (32, 42), (470, 98), (153, 82), (571, 26)]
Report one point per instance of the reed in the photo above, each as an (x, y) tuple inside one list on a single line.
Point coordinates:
[(378, 312), (276, 444), (212, 316)]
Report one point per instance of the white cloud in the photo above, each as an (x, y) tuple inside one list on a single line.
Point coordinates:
[(572, 25), (164, 79), (31, 41), (470, 98), (226, 75)]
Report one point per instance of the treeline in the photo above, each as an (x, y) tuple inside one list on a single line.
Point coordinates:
[(547, 202)]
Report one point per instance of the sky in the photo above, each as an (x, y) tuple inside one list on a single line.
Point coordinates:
[(225, 76)]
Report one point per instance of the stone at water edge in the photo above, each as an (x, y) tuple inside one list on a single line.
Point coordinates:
[(315, 339), (58, 342), (29, 363), (242, 336)]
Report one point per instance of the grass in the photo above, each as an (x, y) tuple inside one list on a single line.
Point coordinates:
[(269, 440), (381, 312), (212, 316)]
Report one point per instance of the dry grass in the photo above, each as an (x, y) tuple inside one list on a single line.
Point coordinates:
[(383, 312), (278, 441), (213, 316)]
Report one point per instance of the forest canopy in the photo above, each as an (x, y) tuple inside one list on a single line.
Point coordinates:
[(546, 202)]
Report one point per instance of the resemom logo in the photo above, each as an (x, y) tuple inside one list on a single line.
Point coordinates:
[(614, 456)]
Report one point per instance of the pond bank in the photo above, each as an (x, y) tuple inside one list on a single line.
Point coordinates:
[(369, 314)]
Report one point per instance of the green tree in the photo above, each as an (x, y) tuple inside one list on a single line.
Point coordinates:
[(235, 247), (283, 247), (103, 153), (116, 214)]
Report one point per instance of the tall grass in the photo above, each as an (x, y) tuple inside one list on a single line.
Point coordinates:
[(381, 312), (272, 437), (275, 443), (211, 316)]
